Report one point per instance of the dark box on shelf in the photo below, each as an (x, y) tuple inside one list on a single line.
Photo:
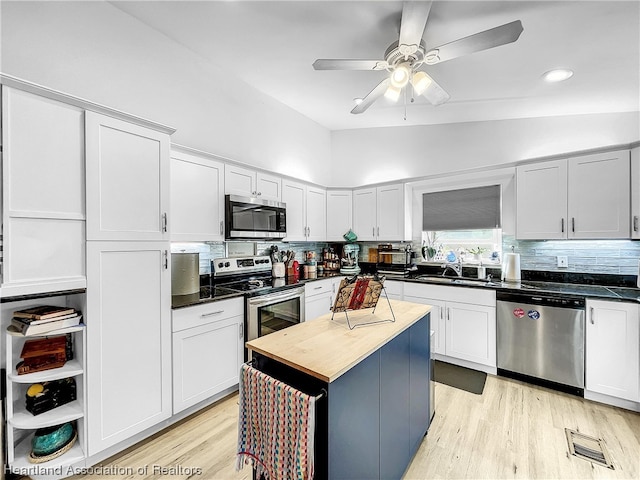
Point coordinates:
[(52, 394)]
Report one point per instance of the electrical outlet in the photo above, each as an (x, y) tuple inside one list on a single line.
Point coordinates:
[(563, 262)]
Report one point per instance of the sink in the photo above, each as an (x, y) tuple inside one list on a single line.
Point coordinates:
[(455, 280)]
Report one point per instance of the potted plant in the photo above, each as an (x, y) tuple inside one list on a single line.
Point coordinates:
[(477, 252)]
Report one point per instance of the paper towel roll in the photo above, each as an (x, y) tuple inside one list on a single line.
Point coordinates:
[(511, 268)]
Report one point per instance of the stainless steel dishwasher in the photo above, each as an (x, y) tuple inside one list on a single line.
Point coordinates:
[(540, 339)]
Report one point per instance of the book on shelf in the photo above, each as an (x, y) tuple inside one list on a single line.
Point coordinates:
[(42, 312), (26, 328), (32, 321)]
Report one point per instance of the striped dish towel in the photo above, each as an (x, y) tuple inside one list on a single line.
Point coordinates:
[(275, 427)]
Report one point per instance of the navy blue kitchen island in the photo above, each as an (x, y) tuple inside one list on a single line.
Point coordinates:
[(374, 381)]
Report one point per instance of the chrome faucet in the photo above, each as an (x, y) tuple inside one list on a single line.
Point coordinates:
[(456, 267)]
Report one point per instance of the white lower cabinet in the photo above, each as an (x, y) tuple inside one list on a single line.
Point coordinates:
[(394, 289), (128, 340), (208, 349), (613, 349), (463, 319), (318, 298)]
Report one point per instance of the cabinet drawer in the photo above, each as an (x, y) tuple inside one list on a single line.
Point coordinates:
[(318, 287), (210, 312), (475, 296)]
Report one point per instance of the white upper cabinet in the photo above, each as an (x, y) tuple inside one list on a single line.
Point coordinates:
[(579, 197), (127, 180), (250, 183), (382, 213), (541, 190), (635, 192), (339, 214), (197, 197), (599, 196), (43, 194), (306, 211)]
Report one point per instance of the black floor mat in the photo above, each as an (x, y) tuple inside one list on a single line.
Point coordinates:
[(460, 377)]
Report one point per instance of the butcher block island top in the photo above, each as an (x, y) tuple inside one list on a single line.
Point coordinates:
[(325, 348)]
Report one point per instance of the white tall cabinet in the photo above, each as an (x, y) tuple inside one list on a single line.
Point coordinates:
[(580, 197), (613, 349), (197, 196), (306, 211), (382, 213), (128, 280), (43, 193)]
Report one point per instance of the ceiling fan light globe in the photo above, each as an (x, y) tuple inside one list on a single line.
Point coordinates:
[(420, 82), (392, 93), (400, 75)]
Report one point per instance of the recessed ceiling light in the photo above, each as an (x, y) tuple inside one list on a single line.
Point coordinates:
[(357, 101), (557, 75)]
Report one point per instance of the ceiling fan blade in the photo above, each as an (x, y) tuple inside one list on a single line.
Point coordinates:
[(373, 95), (338, 64), (494, 37), (435, 94), (414, 20)]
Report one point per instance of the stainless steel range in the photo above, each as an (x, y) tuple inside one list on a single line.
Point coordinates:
[(271, 303)]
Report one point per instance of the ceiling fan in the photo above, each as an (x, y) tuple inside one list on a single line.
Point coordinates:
[(404, 58)]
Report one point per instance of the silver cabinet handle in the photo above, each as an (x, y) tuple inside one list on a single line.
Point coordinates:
[(166, 259), (562, 225), (573, 224), (241, 328), (635, 223), (373, 232), (378, 231), (210, 314), (317, 288), (448, 314), (221, 227), (592, 314), (164, 222), (441, 313)]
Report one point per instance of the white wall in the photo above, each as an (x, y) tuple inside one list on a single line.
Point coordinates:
[(95, 51), (394, 153)]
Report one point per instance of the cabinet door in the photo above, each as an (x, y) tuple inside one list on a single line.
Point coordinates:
[(364, 214), (239, 181), (635, 193), (269, 187), (613, 349), (43, 188), (127, 180), (197, 199), (438, 323), (206, 361), (390, 213), (317, 306), (541, 200), (294, 196), (339, 214), (599, 195), (394, 289), (471, 333), (316, 214), (128, 340)]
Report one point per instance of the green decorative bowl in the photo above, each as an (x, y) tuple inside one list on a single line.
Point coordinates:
[(50, 442)]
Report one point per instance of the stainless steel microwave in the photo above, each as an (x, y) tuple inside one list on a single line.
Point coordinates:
[(254, 218)]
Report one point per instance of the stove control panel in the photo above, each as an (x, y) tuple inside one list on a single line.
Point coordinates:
[(240, 265)]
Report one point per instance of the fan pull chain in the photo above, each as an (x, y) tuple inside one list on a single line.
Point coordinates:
[(405, 104)]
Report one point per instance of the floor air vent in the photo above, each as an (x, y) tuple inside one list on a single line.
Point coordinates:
[(588, 448)]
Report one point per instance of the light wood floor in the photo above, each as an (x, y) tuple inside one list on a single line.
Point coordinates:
[(512, 430)]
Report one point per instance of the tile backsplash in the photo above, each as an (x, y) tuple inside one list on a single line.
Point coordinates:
[(584, 256)]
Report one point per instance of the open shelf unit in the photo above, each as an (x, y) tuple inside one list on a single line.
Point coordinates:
[(22, 424)]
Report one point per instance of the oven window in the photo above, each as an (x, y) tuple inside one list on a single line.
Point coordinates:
[(277, 316)]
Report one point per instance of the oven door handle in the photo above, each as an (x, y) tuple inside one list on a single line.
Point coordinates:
[(276, 297)]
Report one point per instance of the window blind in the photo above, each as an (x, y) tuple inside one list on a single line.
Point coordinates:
[(464, 209)]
